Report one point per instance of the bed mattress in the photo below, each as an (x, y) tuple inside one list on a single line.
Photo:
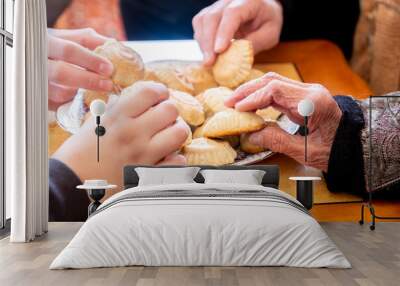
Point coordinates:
[(201, 225)]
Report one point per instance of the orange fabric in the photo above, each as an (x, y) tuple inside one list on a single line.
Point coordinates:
[(376, 55), (102, 15)]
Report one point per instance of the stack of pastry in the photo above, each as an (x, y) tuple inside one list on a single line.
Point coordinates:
[(199, 93)]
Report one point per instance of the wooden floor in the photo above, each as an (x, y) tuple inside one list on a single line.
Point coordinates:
[(374, 255)]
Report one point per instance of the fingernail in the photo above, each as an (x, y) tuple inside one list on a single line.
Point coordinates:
[(255, 139), (106, 84), (239, 106), (106, 69), (219, 45)]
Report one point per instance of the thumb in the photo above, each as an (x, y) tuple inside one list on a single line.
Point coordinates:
[(264, 38), (278, 140)]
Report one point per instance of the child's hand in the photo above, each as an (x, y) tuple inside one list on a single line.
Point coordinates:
[(72, 64), (141, 128)]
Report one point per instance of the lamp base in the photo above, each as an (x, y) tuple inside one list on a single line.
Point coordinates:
[(96, 195), (304, 193)]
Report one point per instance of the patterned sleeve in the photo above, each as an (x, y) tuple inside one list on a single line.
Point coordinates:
[(366, 157), (380, 139)]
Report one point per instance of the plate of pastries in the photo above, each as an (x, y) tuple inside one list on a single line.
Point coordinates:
[(219, 135)]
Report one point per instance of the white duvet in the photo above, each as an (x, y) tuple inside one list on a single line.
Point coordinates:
[(188, 231)]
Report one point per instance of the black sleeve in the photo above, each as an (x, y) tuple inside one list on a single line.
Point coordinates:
[(333, 20), (346, 164), (65, 202)]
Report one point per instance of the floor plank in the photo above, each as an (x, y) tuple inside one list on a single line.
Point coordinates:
[(375, 257)]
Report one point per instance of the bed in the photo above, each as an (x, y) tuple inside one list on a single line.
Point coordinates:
[(201, 224)]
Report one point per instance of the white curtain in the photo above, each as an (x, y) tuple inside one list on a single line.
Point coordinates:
[(26, 117)]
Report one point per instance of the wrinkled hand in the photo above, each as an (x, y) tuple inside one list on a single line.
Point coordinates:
[(72, 64), (284, 95), (141, 128), (259, 21)]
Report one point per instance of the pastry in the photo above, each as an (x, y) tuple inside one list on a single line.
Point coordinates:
[(248, 147), (90, 95), (190, 109), (200, 77), (149, 75), (232, 122), (213, 99), (233, 66), (204, 151), (254, 74), (269, 114), (170, 73), (234, 141), (128, 65), (198, 132), (172, 78)]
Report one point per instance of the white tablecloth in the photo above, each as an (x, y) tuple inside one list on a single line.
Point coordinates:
[(167, 50)]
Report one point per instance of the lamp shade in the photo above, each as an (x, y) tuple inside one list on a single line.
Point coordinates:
[(98, 107), (305, 107)]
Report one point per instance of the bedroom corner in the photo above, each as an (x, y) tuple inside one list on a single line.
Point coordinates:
[(252, 142)]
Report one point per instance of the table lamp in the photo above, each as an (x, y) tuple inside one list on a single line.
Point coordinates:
[(304, 185), (305, 109), (98, 108)]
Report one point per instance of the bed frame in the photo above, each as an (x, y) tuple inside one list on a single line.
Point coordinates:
[(270, 179)]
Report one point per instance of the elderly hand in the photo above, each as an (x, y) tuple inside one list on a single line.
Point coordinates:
[(259, 21), (141, 128), (284, 95), (72, 64)]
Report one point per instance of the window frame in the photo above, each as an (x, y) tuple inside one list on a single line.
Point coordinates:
[(6, 39)]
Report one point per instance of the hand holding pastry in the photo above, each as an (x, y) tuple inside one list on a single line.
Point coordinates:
[(284, 95), (141, 128), (72, 64), (259, 21), (128, 68)]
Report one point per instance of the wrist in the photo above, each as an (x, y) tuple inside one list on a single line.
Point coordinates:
[(327, 131), (75, 155)]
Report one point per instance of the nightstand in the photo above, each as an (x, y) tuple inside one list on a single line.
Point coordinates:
[(96, 190)]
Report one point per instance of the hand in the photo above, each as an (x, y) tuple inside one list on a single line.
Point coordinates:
[(72, 64), (284, 95), (259, 21), (141, 128)]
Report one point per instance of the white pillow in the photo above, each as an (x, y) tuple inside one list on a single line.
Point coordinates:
[(248, 177), (164, 176)]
